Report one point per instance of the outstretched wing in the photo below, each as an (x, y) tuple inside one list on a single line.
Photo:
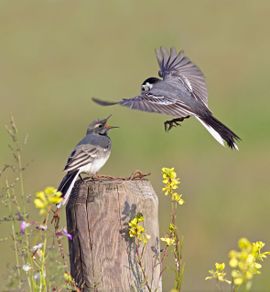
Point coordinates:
[(178, 66), (81, 156), (157, 104)]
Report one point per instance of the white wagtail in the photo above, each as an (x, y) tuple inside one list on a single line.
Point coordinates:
[(89, 155), (181, 93)]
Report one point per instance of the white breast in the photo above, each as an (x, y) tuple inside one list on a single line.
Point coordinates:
[(96, 164)]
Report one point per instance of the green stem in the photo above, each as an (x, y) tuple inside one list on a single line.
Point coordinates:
[(30, 275), (21, 180), (140, 263), (43, 283), (173, 212), (31, 280), (13, 233), (177, 250), (177, 257)]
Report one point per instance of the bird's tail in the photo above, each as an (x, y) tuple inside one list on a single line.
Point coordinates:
[(103, 102), (66, 186), (219, 131)]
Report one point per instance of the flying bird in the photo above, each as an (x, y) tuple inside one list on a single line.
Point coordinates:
[(88, 156), (180, 92)]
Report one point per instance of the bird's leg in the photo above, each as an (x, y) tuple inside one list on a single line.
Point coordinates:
[(168, 125), (93, 177)]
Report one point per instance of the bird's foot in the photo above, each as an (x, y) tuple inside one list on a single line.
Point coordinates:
[(137, 175), (168, 125), (56, 218)]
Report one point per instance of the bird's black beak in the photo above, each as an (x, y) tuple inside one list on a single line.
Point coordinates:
[(106, 119), (107, 126)]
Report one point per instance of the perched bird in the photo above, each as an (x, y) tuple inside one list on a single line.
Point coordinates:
[(88, 156), (180, 93)]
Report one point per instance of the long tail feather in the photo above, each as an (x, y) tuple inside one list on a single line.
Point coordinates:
[(103, 102), (219, 131), (66, 186)]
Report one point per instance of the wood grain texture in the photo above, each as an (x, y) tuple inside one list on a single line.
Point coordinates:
[(102, 256)]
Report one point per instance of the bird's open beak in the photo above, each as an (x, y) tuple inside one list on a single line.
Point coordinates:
[(107, 126), (106, 119)]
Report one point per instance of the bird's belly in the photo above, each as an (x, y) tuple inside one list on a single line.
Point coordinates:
[(96, 165)]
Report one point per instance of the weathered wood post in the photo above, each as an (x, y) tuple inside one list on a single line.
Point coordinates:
[(102, 255)]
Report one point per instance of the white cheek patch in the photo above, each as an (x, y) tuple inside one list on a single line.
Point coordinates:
[(147, 86)]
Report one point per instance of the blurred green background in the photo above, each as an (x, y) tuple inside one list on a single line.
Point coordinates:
[(56, 54)]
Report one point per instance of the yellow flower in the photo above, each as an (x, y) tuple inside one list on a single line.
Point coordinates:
[(68, 278), (245, 262), (169, 241), (172, 227), (46, 198), (69, 282), (170, 238), (171, 183), (178, 198), (220, 267), (238, 281), (233, 262), (218, 273), (137, 231)]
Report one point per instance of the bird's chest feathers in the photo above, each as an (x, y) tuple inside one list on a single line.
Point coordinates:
[(97, 163)]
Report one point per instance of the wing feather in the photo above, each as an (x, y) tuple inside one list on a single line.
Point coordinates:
[(178, 66), (80, 157), (157, 104)]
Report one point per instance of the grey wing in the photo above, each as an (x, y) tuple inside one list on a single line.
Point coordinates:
[(81, 156), (180, 68), (157, 104)]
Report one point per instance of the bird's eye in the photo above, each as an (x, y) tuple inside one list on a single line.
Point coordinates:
[(145, 87), (98, 126)]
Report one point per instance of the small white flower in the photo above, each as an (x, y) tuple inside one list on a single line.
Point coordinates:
[(26, 268), (37, 247)]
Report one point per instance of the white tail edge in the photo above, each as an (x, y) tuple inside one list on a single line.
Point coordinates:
[(67, 194), (213, 132)]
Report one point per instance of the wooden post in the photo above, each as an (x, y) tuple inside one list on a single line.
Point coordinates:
[(102, 255)]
